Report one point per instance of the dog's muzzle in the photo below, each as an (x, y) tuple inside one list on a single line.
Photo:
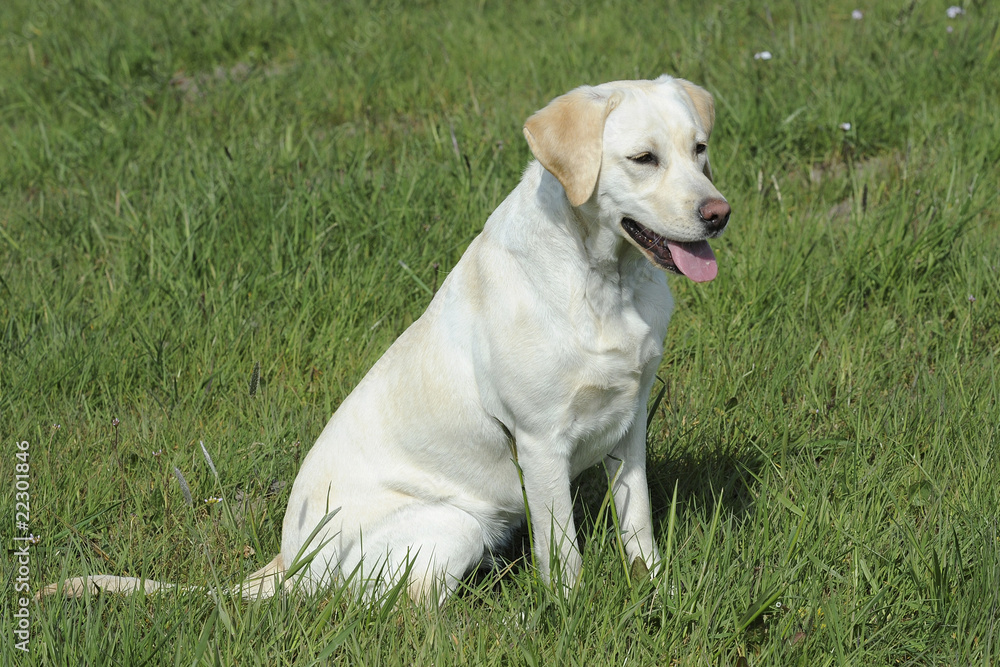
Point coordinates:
[(693, 259)]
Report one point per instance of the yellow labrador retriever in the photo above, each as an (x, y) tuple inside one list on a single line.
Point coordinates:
[(535, 358)]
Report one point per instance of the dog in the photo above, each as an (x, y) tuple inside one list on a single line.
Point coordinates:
[(533, 362)]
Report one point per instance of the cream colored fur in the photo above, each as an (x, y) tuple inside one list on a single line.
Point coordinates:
[(538, 351)]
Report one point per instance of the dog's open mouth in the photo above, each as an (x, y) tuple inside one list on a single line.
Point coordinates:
[(694, 259)]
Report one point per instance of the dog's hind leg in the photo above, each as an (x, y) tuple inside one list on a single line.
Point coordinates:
[(433, 545)]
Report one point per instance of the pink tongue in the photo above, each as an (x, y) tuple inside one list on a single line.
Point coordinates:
[(695, 260)]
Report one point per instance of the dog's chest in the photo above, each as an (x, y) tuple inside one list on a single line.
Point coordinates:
[(617, 356)]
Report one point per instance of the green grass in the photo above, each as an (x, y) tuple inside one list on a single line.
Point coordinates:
[(195, 188)]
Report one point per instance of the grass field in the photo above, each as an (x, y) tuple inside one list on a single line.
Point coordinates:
[(193, 189)]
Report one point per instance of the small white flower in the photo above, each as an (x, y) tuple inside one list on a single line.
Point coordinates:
[(972, 299), (954, 11), (213, 500), (949, 29), (857, 15), (762, 55), (845, 127)]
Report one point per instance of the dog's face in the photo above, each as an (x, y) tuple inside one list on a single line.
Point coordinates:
[(636, 154)]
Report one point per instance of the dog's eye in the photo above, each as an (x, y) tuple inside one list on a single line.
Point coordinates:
[(700, 148), (645, 158)]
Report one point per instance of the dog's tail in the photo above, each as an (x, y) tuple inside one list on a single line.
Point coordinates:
[(263, 583)]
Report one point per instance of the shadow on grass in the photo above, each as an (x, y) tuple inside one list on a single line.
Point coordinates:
[(703, 477), (709, 476)]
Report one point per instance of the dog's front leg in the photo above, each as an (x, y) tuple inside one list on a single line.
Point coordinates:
[(626, 466), (550, 506)]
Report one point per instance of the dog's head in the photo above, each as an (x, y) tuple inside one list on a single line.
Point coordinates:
[(635, 153)]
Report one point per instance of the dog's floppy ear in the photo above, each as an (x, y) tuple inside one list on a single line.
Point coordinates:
[(704, 105), (567, 137)]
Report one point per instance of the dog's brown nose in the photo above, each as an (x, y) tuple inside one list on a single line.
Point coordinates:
[(715, 214)]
